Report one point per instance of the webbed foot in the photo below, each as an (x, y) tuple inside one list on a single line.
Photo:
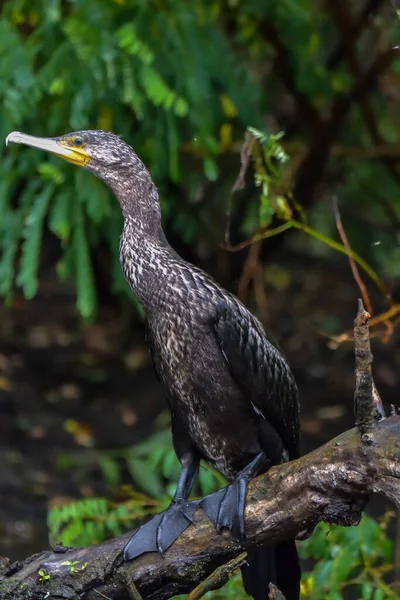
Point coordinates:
[(225, 508), (162, 530)]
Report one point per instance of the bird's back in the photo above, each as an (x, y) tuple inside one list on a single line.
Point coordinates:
[(220, 372)]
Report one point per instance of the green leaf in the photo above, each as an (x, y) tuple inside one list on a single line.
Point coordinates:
[(378, 595), (60, 214), (129, 41), (170, 464), (11, 228), (369, 535), (173, 148), (322, 574), (50, 172), (181, 107), (95, 196), (208, 482), (367, 590), (143, 475), (266, 211), (386, 549), (210, 168), (29, 263), (86, 294), (111, 470)]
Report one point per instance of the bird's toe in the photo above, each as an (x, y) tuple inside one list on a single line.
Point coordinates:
[(143, 540), (174, 521), (225, 508)]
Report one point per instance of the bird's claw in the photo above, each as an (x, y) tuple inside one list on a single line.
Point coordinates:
[(162, 530), (174, 521), (225, 508)]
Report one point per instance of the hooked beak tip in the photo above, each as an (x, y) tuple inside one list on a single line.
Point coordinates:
[(14, 136)]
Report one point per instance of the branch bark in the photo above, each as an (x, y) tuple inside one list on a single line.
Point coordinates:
[(332, 484)]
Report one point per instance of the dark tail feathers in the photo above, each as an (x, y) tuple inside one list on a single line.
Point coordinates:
[(273, 564)]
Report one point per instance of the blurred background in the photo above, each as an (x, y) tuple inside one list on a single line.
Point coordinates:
[(202, 90)]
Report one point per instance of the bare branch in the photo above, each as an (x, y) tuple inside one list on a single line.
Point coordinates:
[(218, 578), (331, 484), (245, 154), (357, 28), (366, 397), (353, 266)]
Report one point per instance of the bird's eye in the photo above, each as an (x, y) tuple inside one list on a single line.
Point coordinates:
[(78, 141)]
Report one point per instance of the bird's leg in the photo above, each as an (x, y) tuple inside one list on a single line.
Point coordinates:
[(180, 512), (159, 533), (225, 508)]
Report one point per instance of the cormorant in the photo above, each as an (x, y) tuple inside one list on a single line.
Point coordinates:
[(232, 396)]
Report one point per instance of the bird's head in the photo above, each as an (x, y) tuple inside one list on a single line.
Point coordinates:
[(108, 157), (98, 151)]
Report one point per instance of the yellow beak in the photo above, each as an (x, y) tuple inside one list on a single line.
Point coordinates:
[(76, 156)]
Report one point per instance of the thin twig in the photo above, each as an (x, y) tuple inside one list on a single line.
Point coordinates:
[(218, 577), (248, 271), (259, 236), (384, 318), (245, 154), (292, 223), (130, 587), (353, 265), (102, 595)]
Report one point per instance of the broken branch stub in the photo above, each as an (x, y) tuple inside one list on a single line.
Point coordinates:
[(367, 403)]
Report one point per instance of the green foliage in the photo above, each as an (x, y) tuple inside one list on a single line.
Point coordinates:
[(91, 520), (148, 72), (269, 158), (346, 560), (75, 567), (154, 469), (349, 558), (181, 81), (43, 576)]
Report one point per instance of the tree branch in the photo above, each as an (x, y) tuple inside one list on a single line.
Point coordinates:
[(332, 484), (363, 396), (358, 26)]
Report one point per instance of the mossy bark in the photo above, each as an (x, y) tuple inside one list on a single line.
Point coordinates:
[(331, 484)]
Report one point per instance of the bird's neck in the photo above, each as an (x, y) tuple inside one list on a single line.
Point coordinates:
[(138, 198), (146, 257), (148, 263)]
